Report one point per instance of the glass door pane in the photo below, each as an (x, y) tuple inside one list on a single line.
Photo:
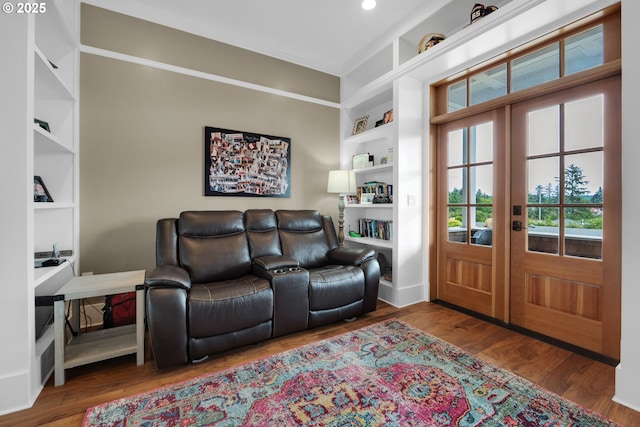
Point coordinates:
[(470, 184)]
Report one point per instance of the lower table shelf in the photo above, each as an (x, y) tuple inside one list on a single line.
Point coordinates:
[(100, 345)]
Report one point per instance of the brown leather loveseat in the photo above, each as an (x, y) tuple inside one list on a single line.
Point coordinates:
[(225, 279)]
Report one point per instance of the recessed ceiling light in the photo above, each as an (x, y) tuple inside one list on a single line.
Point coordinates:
[(368, 4)]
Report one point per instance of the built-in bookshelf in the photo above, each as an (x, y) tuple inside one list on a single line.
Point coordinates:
[(41, 139)]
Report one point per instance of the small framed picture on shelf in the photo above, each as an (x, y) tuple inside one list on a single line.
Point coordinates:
[(367, 198), (44, 125), (40, 192), (388, 117), (361, 161), (360, 125)]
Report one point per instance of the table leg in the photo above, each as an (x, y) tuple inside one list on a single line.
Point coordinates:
[(140, 325), (58, 329)]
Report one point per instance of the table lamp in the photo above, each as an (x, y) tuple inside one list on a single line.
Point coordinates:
[(341, 181)]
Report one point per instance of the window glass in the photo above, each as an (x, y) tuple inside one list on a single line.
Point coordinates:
[(584, 50), (583, 178), (457, 147), (457, 224), (542, 180), (488, 85), (482, 232), (583, 232), (457, 186), (457, 96), (543, 131), (535, 68), (543, 231), (481, 144), (481, 183), (584, 123)]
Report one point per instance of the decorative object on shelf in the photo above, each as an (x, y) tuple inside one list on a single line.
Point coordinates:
[(390, 155), (366, 198), (240, 163), (361, 161), (341, 182), (352, 199), (379, 122), (479, 10), (382, 192), (40, 192), (388, 117), (360, 125), (383, 160), (44, 125), (430, 40)]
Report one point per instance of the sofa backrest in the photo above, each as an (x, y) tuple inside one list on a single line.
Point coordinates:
[(261, 226), (304, 238), (213, 245), (219, 245)]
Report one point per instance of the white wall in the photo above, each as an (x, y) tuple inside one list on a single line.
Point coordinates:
[(628, 372)]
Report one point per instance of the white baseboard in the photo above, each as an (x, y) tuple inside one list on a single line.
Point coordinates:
[(401, 297)]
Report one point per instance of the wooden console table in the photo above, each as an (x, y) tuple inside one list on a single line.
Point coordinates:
[(106, 343)]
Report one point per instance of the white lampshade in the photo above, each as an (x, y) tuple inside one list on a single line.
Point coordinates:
[(341, 181)]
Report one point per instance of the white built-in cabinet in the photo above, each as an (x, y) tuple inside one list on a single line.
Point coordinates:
[(40, 66)]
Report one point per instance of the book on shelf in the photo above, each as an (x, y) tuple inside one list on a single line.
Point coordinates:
[(375, 228)]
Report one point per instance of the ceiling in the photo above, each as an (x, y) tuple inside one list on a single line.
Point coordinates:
[(327, 35)]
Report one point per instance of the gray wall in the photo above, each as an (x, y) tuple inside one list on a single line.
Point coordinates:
[(142, 133)]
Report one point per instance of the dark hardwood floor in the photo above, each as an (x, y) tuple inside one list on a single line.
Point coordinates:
[(577, 378)]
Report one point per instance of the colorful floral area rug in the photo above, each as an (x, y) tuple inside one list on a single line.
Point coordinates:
[(387, 374)]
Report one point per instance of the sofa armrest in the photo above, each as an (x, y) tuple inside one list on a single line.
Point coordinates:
[(169, 276), (350, 256), (290, 285), (275, 263)]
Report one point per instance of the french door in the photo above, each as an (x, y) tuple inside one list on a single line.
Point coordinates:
[(529, 209), (473, 235), (566, 210)]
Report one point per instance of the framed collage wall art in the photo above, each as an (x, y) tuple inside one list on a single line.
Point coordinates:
[(239, 163)]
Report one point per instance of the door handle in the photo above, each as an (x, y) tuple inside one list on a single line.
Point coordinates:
[(516, 226)]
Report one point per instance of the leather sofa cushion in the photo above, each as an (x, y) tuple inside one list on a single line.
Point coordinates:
[(303, 237), (335, 286), (213, 246), (210, 223), (227, 306), (262, 232)]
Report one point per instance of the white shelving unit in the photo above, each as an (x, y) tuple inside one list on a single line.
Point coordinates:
[(400, 142), (40, 81), (393, 77)]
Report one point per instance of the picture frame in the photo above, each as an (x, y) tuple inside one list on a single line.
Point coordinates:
[(360, 125), (367, 198), (388, 117), (361, 161), (246, 164), (40, 192), (44, 125)]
